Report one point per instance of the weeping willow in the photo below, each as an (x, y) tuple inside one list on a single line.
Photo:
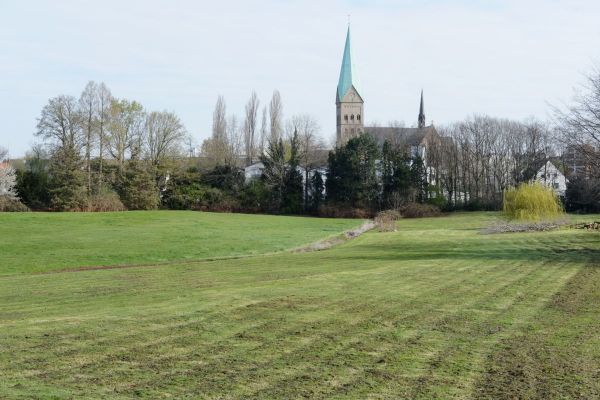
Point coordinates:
[(532, 202)]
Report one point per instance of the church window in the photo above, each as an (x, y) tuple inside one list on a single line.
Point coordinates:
[(352, 117), (346, 117), (358, 117)]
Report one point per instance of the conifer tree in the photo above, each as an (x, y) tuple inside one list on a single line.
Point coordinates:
[(138, 189), (293, 190), (68, 190), (316, 190)]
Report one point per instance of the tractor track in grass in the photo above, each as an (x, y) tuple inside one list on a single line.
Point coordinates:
[(542, 361)]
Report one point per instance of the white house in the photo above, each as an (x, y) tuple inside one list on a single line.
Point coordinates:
[(253, 171), (549, 175)]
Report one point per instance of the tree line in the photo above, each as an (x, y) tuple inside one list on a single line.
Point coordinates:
[(99, 152)]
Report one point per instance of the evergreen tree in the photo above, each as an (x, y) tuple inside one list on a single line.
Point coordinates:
[(138, 188), (418, 179), (274, 173), (352, 178), (68, 189), (395, 175), (316, 190), (293, 189), (33, 182)]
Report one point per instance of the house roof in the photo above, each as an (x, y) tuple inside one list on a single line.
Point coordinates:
[(408, 136), (348, 77)]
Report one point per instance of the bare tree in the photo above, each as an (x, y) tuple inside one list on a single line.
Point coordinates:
[(275, 117), (580, 122), (250, 125), (215, 148), (234, 141), (164, 134), (60, 123), (263, 131), (311, 146), (125, 130), (88, 104), (103, 114)]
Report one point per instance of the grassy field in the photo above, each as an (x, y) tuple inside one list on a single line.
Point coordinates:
[(435, 310), (36, 242)]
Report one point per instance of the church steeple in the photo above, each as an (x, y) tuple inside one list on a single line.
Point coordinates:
[(422, 112), (348, 77), (349, 103)]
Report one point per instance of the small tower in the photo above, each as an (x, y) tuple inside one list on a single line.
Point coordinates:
[(422, 112), (349, 103)]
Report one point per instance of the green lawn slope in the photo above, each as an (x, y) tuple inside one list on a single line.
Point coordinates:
[(37, 242), (434, 310)]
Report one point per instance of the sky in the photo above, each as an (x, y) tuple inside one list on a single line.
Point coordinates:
[(505, 58)]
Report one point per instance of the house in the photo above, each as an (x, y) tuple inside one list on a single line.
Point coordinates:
[(550, 175), (253, 171)]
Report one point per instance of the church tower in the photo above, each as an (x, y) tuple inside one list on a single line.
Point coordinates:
[(349, 103)]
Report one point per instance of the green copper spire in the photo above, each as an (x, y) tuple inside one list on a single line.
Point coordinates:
[(348, 71)]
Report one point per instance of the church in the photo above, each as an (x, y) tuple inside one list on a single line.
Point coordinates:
[(350, 114)]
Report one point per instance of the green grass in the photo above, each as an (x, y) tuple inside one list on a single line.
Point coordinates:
[(36, 242), (435, 310)]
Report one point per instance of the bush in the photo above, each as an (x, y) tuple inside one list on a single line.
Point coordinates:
[(417, 210), (10, 204), (106, 200), (342, 211), (386, 220), (254, 197), (532, 202), (194, 196)]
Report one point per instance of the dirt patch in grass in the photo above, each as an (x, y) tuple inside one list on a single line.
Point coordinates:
[(336, 240), (547, 360)]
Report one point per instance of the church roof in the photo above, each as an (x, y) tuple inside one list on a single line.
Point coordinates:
[(348, 71), (408, 136)]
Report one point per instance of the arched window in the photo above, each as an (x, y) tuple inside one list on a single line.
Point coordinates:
[(352, 117), (358, 117), (352, 131), (346, 117)]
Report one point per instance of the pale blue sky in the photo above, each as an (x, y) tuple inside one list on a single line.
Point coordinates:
[(505, 58)]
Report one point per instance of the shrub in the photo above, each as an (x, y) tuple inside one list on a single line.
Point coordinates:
[(11, 204), (531, 202), (254, 197), (386, 220), (417, 210), (194, 196), (342, 211), (106, 200)]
